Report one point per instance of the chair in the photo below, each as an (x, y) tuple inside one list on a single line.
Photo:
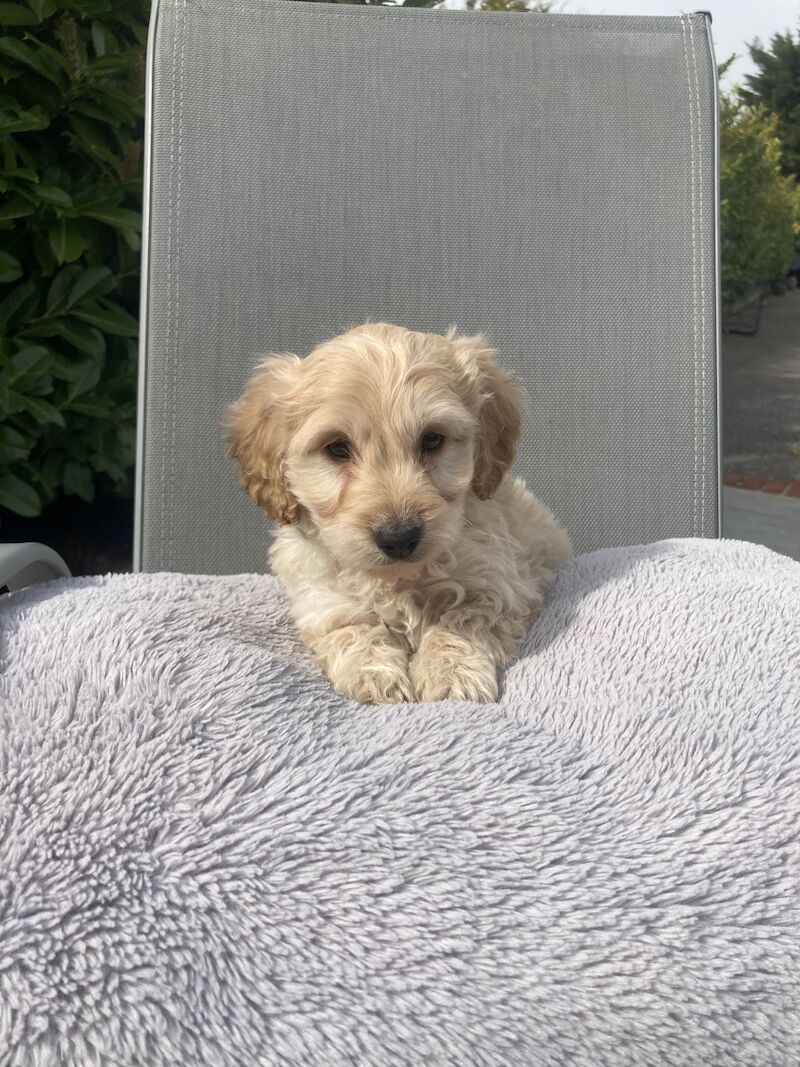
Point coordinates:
[(547, 180), (233, 864)]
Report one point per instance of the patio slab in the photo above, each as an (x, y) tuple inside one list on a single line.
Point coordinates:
[(763, 518)]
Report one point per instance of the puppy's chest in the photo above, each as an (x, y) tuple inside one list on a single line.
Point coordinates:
[(407, 612)]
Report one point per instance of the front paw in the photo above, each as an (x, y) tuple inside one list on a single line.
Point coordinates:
[(453, 670), (375, 685)]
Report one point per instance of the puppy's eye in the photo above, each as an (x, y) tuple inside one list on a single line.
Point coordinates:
[(431, 442), (338, 450)]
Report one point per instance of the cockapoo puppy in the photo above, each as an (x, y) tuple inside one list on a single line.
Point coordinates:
[(413, 563)]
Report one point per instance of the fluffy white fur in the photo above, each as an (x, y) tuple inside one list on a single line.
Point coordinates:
[(336, 446)]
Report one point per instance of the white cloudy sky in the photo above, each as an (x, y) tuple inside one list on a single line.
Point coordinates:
[(734, 22)]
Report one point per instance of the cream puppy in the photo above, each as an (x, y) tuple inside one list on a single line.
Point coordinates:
[(413, 563)]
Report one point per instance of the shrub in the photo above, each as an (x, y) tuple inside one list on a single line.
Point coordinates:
[(71, 110), (759, 205)]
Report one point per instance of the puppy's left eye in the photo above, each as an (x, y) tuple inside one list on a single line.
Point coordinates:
[(338, 450), (431, 442)]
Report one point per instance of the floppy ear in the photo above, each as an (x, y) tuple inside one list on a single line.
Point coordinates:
[(500, 413), (258, 435)]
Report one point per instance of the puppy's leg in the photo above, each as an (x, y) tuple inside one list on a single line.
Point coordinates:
[(364, 661), (458, 656)]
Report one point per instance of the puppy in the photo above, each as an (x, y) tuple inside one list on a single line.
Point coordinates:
[(413, 563)]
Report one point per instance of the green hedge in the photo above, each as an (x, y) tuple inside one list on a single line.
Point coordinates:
[(760, 207), (71, 110)]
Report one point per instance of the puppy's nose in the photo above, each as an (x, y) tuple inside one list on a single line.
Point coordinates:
[(398, 540)]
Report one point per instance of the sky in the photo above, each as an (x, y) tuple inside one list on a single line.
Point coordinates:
[(734, 22)]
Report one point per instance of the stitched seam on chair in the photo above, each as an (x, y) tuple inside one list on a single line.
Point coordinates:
[(701, 260), (169, 331), (695, 494), (173, 399)]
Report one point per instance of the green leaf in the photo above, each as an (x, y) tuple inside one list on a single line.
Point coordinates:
[(114, 216), (17, 300), (15, 208), (26, 359), (43, 8), (78, 480), (51, 194), (60, 287), (109, 318), (104, 110), (92, 141), (97, 194), (95, 407), (51, 471), (13, 446), (22, 121), (42, 328), (90, 8), (16, 15), (29, 57), (43, 411), (25, 173), (85, 338), (44, 253), (10, 268), (132, 240), (86, 378), (18, 496), (103, 39), (13, 437), (92, 283), (37, 384), (15, 402), (66, 241)]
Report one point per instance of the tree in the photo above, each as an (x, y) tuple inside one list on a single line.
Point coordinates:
[(510, 5), (760, 206), (776, 85)]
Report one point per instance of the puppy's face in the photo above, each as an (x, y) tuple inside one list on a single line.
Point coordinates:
[(376, 438)]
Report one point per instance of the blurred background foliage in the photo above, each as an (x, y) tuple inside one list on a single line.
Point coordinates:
[(759, 204), (71, 115), (71, 124)]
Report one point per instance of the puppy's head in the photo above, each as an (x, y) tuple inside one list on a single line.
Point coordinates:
[(376, 438)]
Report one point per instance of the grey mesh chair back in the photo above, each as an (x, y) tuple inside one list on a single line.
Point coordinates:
[(548, 180)]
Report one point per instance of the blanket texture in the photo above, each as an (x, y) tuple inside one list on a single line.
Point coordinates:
[(209, 858)]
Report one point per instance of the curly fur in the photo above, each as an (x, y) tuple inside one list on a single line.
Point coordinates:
[(437, 625)]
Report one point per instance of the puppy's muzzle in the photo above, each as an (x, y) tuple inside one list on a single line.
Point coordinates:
[(398, 540)]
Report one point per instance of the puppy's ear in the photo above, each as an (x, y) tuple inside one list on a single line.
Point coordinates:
[(500, 412), (258, 435)]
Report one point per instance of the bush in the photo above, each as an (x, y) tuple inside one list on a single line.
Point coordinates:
[(760, 206), (71, 112)]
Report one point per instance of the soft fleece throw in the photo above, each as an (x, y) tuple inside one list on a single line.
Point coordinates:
[(207, 857)]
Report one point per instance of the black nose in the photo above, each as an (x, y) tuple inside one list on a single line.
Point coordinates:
[(398, 540)]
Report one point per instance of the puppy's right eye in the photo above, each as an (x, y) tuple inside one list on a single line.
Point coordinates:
[(338, 450)]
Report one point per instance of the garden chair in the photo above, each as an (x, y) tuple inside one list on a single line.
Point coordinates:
[(209, 856)]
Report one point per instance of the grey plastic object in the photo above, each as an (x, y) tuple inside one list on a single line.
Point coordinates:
[(547, 179), (27, 563)]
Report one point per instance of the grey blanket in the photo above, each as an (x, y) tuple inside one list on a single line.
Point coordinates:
[(209, 858)]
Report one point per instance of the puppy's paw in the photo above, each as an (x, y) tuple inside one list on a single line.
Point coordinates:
[(363, 662), (448, 668), (376, 685)]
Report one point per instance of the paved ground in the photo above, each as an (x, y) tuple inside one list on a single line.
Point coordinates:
[(764, 518), (761, 429), (761, 394)]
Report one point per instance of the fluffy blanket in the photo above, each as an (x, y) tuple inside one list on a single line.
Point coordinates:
[(209, 858)]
